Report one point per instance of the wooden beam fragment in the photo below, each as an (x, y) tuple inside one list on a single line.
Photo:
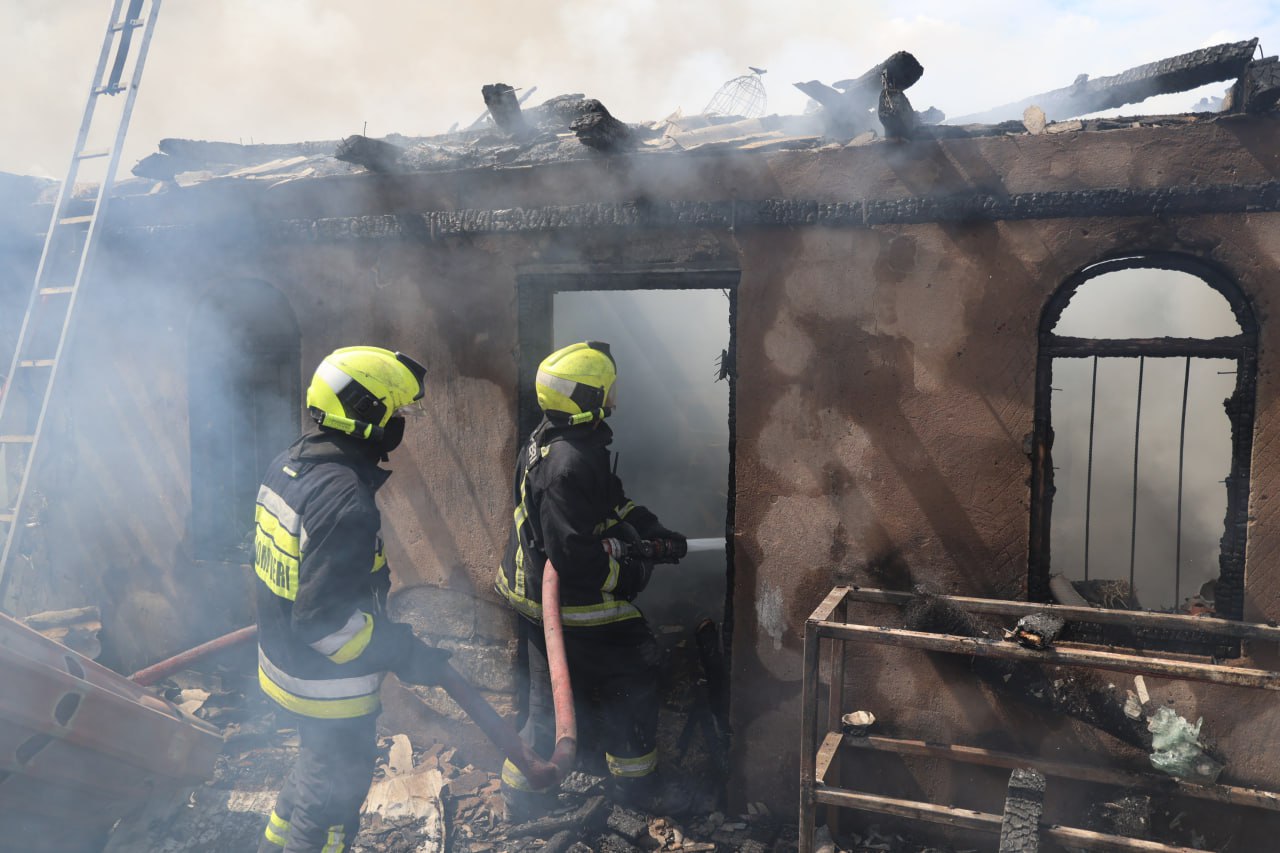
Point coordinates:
[(1061, 656), (1103, 616), (1229, 794), (984, 822)]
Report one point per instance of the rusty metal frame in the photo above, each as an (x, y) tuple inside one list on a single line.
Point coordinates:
[(821, 746), (1240, 410)]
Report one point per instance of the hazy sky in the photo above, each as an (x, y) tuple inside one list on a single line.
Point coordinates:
[(288, 70)]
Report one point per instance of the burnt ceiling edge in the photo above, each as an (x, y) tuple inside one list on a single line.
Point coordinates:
[(761, 214)]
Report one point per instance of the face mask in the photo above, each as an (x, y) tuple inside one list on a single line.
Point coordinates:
[(392, 434)]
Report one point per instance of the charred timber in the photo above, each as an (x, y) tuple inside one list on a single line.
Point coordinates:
[(1258, 89), (1066, 836), (1143, 619), (988, 648), (597, 129), (1175, 74), (1020, 827), (848, 104), (1012, 670), (1231, 794), (500, 99), (374, 154), (1037, 630)]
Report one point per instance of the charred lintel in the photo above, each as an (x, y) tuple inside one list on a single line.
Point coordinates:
[(1175, 74), (1258, 89), (849, 104), (374, 154), (504, 106), (1020, 828), (597, 128), (1058, 346)]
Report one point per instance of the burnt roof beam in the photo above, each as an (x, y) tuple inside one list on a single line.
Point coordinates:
[(1175, 74)]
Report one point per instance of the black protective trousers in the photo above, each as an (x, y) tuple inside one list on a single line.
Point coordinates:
[(319, 807), (616, 668)]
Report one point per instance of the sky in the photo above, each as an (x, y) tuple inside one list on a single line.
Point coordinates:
[(291, 70)]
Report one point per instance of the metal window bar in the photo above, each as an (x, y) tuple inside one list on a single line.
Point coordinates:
[(1182, 456), (1133, 523), (1088, 489), (820, 755)]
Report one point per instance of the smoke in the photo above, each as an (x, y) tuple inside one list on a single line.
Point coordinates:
[(292, 70), (671, 427)]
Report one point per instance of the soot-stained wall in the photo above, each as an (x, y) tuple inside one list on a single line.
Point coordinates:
[(887, 312)]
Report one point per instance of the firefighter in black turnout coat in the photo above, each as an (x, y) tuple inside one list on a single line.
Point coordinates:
[(567, 504), (324, 640)]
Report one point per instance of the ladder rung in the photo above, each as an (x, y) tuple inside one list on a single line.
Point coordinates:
[(17, 439), (6, 518), (36, 362), (76, 220), (51, 291), (125, 25), (108, 90), (90, 155)]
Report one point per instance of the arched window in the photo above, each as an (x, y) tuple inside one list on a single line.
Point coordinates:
[(244, 398), (1140, 470)]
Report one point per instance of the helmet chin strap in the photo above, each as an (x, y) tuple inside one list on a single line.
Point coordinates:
[(359, 429)]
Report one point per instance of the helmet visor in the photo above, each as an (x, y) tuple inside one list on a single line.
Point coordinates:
[(419, 373)]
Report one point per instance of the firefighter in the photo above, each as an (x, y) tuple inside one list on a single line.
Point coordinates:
[(324, 639), (567, 503)]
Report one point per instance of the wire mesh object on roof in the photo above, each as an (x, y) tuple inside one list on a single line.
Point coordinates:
[(742, 96)]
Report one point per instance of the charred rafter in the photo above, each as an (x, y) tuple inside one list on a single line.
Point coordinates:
[(1175, 74)]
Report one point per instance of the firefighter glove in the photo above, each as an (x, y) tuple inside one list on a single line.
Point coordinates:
[(636, 570), (424, 665)]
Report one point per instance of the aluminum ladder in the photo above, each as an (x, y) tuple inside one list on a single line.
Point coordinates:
[(68, 251)]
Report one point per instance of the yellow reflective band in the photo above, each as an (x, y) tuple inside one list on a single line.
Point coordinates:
[(611, 582), (379, 560), (289, 471), (324, 709), (277, 831), (348, 642), (334, 843), (632, 768), (624, 510), (512, 776), (582, 615), (276, 553)]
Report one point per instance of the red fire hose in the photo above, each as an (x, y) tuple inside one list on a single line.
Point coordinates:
[(168, 666), (561, 688)]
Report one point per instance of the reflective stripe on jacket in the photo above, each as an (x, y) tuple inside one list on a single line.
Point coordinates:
[(566, 499), (322, 579)]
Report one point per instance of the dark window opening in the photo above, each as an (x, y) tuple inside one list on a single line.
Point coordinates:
[(245, 396), (1144, 422)]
